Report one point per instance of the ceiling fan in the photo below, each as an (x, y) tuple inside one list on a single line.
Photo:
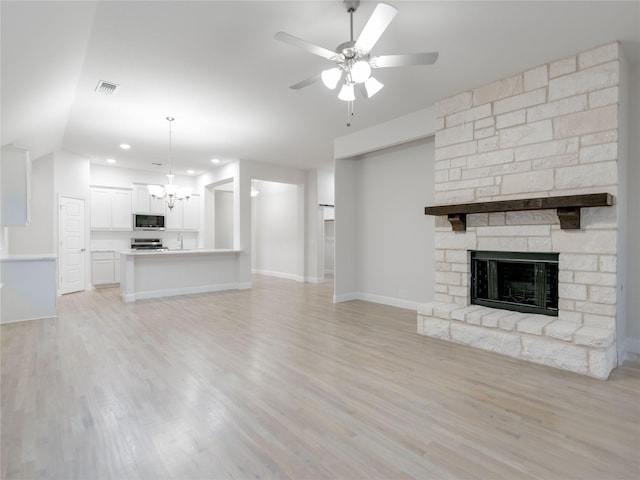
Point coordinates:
[(353, 59)]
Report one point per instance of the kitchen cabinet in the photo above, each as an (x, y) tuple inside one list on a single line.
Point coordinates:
[(28, 287), (15, 183), (145, 203), (105, 268), (111, 209), (185, 215)]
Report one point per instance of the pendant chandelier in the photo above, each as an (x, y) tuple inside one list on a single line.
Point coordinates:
[(169, 192)]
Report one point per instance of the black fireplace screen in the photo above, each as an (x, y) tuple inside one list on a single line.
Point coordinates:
[(524, 282)]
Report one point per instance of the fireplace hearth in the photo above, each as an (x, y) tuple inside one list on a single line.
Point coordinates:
[(522, 282)]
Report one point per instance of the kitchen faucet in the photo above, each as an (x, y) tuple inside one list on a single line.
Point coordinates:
[(181, 240)]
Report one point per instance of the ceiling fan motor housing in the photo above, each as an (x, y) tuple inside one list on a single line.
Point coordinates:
[(351, 5)]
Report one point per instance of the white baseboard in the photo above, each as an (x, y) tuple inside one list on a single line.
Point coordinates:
[(286, 276), (346, 297), (631, 349), (172, 292), (16, 320), (391, 301), (369, 297), (315, 280)]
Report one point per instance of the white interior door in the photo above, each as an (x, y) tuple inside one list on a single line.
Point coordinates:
[(72, 245)]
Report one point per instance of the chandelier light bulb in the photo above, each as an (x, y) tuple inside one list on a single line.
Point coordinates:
[(372, 86), (346, 93), (360, 71), (331, 77)]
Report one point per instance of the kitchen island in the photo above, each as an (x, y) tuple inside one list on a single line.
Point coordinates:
[(154, 274)]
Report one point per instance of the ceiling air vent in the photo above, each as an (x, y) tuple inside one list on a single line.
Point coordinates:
[(107, 88)]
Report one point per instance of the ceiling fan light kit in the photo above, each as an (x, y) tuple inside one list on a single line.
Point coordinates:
[(347, 93), (353, 58), (331, 77)]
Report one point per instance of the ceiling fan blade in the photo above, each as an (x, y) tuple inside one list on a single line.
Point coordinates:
[(403, 60), (304, 83), (309, 47), (375, 26)]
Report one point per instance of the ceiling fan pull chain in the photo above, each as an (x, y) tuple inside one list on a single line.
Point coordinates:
[(349, 112)]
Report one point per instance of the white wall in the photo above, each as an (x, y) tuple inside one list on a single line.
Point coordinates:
[(275, 231), (112, 176), (383, 241), (345, 285), (326, 194), (395, 251), (59, 173), (632, 261), (205, 185), (223, 219), (241, 173)]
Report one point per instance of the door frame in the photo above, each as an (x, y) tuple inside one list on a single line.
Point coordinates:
[(87, 238)]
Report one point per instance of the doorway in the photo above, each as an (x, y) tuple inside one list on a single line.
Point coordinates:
[(277, 229), (219, 215), (72, 242)]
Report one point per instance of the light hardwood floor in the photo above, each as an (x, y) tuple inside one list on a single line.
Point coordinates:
[(278, 382)]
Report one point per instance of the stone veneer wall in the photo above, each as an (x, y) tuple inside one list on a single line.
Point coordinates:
[(551, 130)]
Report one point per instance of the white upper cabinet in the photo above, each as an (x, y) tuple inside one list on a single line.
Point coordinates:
[(15, 191), (185, 215), (145, 203), (111, 209), (191, 213)]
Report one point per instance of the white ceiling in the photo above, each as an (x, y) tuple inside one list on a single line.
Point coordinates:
[(215, 67)]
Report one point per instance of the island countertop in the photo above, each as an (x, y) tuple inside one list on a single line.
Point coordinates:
[(177, 251)]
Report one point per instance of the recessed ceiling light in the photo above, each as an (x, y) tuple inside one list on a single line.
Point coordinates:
[(110, 160), (125, 146), (215, 160), (191, 171)]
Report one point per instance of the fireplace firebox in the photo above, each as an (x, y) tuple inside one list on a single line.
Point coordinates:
[(519, 281)]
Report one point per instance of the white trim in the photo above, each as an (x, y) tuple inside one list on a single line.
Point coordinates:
[(287, 276), (391, 301), (172, 292), (26, 319), (244, 285), (368, 297), (315, 280), (631, 349), (346, 297)]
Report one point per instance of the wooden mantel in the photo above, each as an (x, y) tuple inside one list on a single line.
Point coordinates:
[(567, 207)]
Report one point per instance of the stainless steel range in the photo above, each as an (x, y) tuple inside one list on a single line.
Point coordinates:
[(147, 244)]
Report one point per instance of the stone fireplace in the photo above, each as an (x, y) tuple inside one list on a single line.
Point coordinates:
[(546, 141)]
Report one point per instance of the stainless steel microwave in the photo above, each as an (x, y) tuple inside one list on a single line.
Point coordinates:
[(148, 221)]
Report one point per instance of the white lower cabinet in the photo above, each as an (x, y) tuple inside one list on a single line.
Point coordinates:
[(105, 268)]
